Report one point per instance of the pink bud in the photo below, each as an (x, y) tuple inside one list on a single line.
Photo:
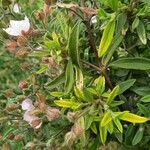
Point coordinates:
[(22, 84)]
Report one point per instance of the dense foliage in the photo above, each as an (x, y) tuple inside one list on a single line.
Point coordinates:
[(74, 74)]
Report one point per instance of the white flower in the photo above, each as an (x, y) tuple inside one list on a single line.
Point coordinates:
[(93, 20), (27, 104), (32, 120), (16, 27), (16, 8)]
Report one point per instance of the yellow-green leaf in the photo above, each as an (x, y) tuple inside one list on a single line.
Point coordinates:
[(118, 124), (67, 104), (133, 118), (113, 94), (106, 38), (100, 85), (103, 134), (106, 119)]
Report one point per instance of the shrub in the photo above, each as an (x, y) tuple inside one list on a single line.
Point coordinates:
[(80, 74)]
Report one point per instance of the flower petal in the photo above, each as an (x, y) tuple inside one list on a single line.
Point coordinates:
[(16, 27), (27, 104)]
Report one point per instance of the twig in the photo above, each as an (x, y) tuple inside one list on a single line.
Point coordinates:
[(102, 71)]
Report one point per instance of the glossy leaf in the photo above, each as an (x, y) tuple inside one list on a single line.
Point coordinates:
[(141, 32), (118, 124), (69, 77), (110, 127), (93, 128), (100, 85), (106, 119), (73, 45), (103, 134), (126, 85), (138, 136), (106, 38), (133, 118), (137, 63), (113, 94), (135, 23), (113, 4), (67, 104), (79, 78), (146, 99)]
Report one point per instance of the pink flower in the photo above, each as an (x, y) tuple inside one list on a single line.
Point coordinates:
[(33, 120), (27, 104)]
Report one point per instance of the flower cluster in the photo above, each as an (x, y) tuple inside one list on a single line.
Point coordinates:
[(30, 114)]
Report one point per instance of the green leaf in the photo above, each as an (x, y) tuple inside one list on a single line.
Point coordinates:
[(88, 121), (142, 33), (59, 80), (39, 54), (106, 38), (118, 124), (79, 93), (57, 94), (135, 23), (79, 77), (113, 4), (66, 103), (103, 134), (106, 119), (100, 85), (43, 69), (101, 14), (112, 48), (137, 63), (143, 110), (110, 127), (138, 136), (126, 85), (93, 127), (73, 45), (121, 22), (113, 94), (146, 99), (133, 118), (69, 77)]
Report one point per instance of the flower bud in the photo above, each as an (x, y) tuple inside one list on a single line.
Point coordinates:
[(45, 60), (11, 107), (5, 147), (30, 146), (22, 85), (11, 44), (77, 130), (52, 113), (21, 53), (24, 66), (22, 41), (36, 123), (18, 138), (47, 9), (69, 138), (40, 15), (11, 136), (9, 93), (71, 116)]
